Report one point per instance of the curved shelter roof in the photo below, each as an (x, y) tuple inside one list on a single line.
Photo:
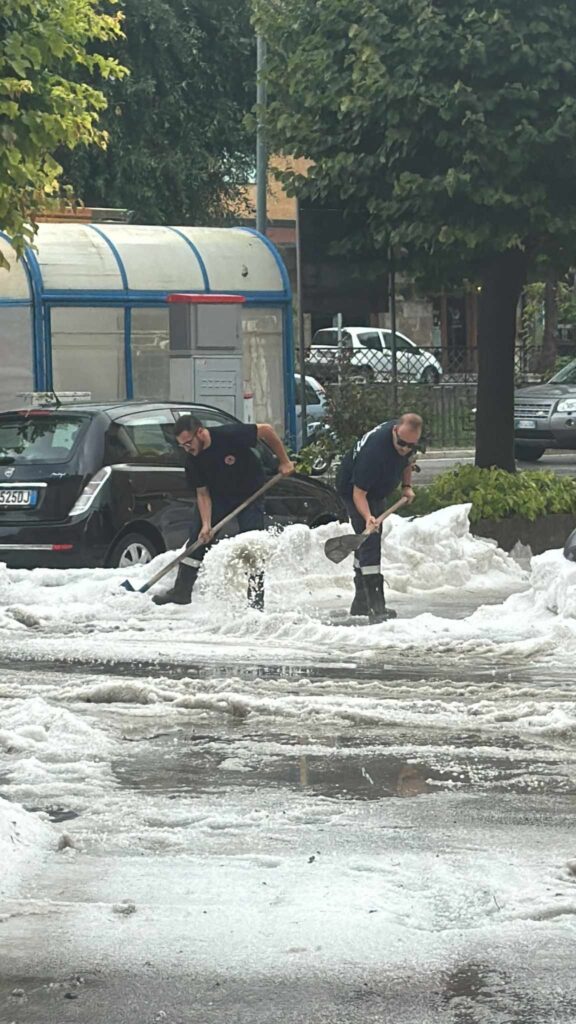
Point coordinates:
[(133, 258)]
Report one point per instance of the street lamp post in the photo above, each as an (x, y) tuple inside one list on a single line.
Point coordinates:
[(261, 148), (392, 308)]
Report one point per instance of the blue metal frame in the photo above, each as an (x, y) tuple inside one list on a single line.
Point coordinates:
[(40, 349), (115, 253), (196, 252), (133, 297), (128, 368)]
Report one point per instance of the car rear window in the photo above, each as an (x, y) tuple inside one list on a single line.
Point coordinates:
[(325, 338), (329, 337), (39, 437)]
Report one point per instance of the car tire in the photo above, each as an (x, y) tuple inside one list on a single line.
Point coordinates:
[(132, 549), (429, 375), (362, 375), (321, 465), (529, 452)]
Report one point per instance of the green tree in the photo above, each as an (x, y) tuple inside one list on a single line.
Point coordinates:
[(447, 129), (178, 147), (44, 104)]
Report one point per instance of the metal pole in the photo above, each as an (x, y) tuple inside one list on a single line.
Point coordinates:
[(301, 339), (261, 148), (392, 300), (339, 321)]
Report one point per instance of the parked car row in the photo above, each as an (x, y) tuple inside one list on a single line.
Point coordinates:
[(103, 484)]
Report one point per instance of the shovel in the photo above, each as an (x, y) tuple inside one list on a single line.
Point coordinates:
[(198, 543), (338, 548)]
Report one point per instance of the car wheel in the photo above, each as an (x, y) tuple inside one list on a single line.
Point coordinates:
[(362, 375), (429, 375), (528, 452), (133, 549), (321, 464)]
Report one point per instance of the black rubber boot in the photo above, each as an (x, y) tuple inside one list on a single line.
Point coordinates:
[(256, 591), (374, 590), (181, 592), (359, 604)]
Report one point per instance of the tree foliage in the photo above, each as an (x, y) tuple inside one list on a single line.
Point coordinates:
[(178, 145), (44, 103), (447, 129)]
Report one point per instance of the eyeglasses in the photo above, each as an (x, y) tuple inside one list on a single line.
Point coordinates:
[(410, 445), (187, 445)]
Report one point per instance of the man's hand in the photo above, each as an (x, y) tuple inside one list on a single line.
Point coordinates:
[(409, 494), (286, 467), (206, 534), (371, 523)]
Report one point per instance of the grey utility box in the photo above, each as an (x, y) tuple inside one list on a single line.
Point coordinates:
[(206, 350)]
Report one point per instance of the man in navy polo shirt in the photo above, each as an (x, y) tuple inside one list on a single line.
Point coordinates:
[(224, 470), (368, 473)]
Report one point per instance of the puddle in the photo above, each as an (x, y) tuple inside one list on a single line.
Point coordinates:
[(345, 772)]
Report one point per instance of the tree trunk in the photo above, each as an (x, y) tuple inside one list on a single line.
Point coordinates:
[(502, 283)]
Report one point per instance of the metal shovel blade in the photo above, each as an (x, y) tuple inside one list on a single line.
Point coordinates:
[(338, 548), (128, 586)]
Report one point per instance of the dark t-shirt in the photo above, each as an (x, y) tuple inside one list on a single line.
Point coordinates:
[(228, 467), (373, 464)]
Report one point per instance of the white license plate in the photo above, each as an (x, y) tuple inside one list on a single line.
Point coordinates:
[(526, 424), (17, 496)]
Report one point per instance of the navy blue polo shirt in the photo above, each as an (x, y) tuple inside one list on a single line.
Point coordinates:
[(229, 467), (373, 464)]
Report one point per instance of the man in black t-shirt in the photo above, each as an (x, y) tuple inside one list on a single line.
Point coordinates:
[(224, 470), (368, 473)]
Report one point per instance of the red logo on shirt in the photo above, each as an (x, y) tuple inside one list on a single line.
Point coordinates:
[(230, 460)]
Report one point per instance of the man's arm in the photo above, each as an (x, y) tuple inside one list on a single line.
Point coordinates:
[(361, 502), (267, 434), (407, 491), (205, 509)]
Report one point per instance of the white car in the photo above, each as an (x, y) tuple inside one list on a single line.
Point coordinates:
[(366, 352), (316, 408)]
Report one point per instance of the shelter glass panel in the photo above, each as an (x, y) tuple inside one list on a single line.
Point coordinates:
[(16, 354), (264, 364), (88, 351), (13, 278), (150, 353)]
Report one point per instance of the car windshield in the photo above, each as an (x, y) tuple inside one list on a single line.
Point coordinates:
[(38, 437), (567, 375)]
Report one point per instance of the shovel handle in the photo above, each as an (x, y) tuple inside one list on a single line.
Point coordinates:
[(198, 543), (388, 512)]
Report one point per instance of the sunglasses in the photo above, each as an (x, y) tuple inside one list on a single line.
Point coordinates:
[(410, 445)]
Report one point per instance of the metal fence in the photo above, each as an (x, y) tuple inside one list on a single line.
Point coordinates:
[(367, 382), (447, 410), (369, 357)]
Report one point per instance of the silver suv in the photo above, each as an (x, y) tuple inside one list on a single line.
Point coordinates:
[(545, 415), (366, 353)]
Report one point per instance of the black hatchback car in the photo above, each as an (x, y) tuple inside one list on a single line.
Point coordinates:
[(103, 484)]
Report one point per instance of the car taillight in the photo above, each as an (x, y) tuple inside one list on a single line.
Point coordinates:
[(90, 491)]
